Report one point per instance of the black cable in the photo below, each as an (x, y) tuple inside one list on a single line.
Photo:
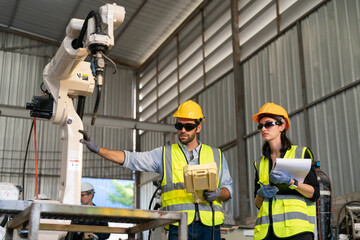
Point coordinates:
[(4, 221), (77, 44), (91, 14), (213, 222), (44, 91), (24, 167), (151, 201), (98, 95), (338, 218), (153, 196)]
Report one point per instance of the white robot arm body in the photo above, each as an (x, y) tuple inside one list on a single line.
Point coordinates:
[(68, 76)]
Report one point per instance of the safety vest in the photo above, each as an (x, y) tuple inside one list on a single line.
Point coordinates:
[(289, 214), (174, 195)]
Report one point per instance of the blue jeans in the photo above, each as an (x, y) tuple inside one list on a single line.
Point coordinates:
[(196, 231)]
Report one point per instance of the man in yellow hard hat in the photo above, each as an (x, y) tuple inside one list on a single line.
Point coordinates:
[(189, 151)]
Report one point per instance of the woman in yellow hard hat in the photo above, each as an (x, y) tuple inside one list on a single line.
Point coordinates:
[(286, 206)]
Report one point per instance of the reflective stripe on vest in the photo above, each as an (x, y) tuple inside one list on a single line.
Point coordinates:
[(290, 214), (180, 207), (174, 195)]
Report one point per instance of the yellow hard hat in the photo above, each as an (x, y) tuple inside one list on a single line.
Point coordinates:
[(273, 109), (189, 109)]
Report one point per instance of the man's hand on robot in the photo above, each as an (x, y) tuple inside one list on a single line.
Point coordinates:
[(89, 142)]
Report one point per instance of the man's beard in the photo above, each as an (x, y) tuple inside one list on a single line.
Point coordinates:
[(189, 139)]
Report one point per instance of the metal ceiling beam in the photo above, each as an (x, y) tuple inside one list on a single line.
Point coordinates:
[(189, 19), (22, 50), (121, 61), (131, 19), (30, 36), (124, 63), (72, 15), (13, 14), (23, 47), (104, 121), (57, 44)]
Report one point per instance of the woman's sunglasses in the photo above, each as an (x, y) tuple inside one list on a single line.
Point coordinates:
[(268, 125), (187, 126)]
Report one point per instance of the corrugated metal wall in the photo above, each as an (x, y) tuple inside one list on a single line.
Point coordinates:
[(196, 65), (331, 46), (20, 78), (218, 106), (332, 56), (149, 141), (192, 60), (231, 207), (272, 75), (324, 93)]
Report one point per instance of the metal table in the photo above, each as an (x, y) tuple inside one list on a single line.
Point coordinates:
[(29, 213)]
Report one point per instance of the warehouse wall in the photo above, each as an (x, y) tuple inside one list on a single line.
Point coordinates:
[(332, 59), (330, 39), (177, 73), (306, 62), (273, 75), (20, 79), (149, 141), (306, 59)]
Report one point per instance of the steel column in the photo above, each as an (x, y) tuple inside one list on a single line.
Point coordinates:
[(303, 84), (243, 202)]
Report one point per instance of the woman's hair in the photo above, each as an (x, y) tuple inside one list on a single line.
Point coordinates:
[(285, 142)]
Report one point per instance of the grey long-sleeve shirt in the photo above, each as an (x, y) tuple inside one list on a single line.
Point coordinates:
[(151, 161)]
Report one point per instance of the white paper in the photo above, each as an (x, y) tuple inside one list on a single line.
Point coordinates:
[(249, 233), (298, 168)]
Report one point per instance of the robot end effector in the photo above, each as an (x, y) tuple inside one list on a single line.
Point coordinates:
[(97, 42), (68, 75)]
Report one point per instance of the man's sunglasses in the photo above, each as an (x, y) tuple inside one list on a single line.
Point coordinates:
[(187, 126), (268, 125)]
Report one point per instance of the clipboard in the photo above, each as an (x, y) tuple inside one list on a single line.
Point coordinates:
[(298, 168)]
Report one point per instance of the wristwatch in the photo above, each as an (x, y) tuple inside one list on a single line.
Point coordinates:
[(294, 186)]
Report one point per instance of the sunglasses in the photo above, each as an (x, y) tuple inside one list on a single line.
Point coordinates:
[(268, 125), (187, 126)]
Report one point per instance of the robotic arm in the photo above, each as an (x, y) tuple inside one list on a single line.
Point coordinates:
[(68, 76)]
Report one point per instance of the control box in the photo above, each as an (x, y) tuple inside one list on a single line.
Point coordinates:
[(198, 178)]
